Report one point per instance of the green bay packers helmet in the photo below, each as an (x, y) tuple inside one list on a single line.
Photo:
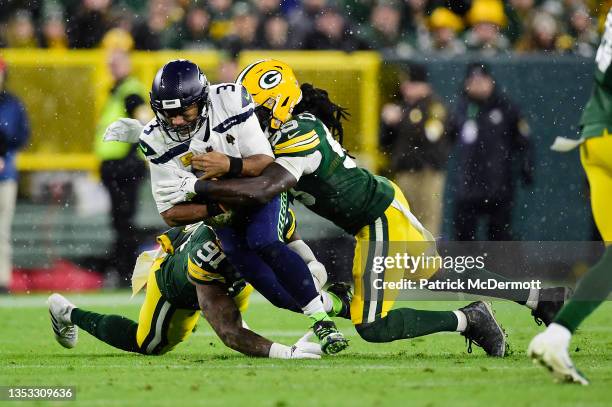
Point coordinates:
[(274, 89)]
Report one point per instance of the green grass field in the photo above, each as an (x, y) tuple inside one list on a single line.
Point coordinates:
[(429, 371)]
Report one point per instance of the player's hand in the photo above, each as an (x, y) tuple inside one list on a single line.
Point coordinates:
[(1, 164), (214, 164), (126, 130), (176, 191), (304, 349)]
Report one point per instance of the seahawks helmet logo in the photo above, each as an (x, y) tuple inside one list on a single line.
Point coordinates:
[(270, 79)]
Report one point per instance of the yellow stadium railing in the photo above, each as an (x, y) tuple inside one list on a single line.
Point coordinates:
[(64, 92)]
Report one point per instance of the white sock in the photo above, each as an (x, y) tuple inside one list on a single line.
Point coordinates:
[(317, 269), (461, 321), (314, 306), (532, 300), (328, 304)]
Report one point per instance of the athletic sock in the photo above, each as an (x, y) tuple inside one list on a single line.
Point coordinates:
[(461, 321), (315, 310), (115, 330), (405, 323), (517, 295), (328, 302), (590, 292), (291, 272), (331, 303)]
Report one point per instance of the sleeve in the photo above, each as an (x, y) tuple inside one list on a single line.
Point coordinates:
[(300, 165), (205, 262), (252, 140), (163, 172), (238, 105)]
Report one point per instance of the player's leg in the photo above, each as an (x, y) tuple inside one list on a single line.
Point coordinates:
[(371, 309), (265, 235), (544, 304), (162, 325), (337, 298), (254, 270), (550, 348)]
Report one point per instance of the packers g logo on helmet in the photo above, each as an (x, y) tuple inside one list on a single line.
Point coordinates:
[(270, 79), (273, 85)]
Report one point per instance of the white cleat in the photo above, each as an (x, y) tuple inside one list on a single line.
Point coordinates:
[(549, 349), (66, 333)]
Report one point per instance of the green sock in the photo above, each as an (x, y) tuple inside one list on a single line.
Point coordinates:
[(319, 316), (405, 323), (591, 291), (115, 330), (518, 295), (336, 304)]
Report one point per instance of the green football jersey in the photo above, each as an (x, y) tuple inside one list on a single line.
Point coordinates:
[(596, 118), (193, 254), (336, 189)]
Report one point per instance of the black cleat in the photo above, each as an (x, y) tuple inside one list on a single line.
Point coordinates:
[(345, 294), (550, 302), (483, 330), (332, 341)]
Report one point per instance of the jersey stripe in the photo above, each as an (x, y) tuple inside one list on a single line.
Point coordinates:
[(146, 149), (199, 274), (296, 140), (233, 121), (170, 154), (298, 149)]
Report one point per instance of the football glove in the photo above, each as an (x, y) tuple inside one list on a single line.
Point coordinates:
[(176, 191), (125, 130), (303, 349)]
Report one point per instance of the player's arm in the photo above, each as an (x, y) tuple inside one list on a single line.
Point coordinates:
[(185, 213), (216, 164), (248, 191), (223, 315)]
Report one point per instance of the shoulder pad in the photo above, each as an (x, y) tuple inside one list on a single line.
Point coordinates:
[(232, 105), (298, 136)]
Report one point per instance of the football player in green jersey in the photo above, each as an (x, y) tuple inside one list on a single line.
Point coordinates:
[(192, 275), (550, 348), (304, 126)]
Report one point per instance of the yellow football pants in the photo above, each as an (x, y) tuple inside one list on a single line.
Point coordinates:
[(162, 326), (596, 158), (389, 235)]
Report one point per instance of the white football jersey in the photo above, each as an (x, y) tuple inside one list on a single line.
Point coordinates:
[(231, 128)]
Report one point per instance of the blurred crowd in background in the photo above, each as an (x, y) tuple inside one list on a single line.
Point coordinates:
[(397, 28)]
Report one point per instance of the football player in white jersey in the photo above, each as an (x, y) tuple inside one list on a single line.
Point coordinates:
[(217, 125)]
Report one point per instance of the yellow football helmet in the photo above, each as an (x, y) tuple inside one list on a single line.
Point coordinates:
[(273, 85)]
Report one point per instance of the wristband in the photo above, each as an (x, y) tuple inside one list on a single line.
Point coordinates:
[(235, 169), (279, 351)]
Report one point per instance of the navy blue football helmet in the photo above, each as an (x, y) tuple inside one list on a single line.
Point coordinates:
[(178, 85)]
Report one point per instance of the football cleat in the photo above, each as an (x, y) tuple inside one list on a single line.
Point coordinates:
[(550, 302), (66, 333), (332, 341), (483, 330), (344, 293), (550, 351)]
